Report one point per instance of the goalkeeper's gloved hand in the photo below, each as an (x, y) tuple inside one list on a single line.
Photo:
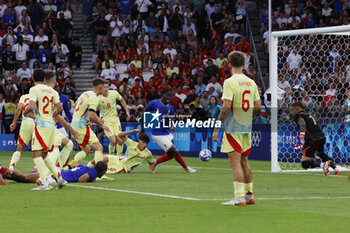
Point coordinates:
[(301, 140)]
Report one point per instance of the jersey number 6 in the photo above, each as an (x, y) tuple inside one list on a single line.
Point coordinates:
[(245, 102)]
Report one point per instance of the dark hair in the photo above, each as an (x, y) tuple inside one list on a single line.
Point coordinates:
[(49, 75), (39, 75), (97, 81), (144, 137), (165, 91), (237, 59), (101, 166), (298, 104)]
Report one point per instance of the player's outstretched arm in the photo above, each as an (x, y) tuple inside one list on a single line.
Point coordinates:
[(122, 135), (58, 109), (123, 103), (152, 167), (15, 118), (3, 181), (84, 178), (66, 125), (302, 126), (93, 117)]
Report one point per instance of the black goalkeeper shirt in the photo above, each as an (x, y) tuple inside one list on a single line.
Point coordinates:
[(313, 130)]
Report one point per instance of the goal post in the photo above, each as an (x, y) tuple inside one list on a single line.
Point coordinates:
[(316, 70)]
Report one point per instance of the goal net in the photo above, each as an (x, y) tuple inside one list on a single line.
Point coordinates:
[(311, 65)]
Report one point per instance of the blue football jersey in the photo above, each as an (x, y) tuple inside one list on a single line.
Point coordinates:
[(73, 175), (165, 111)]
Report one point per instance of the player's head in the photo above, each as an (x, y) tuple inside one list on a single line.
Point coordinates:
[(237, 59), (296, 107), (39, 75), (166, 94), (105, 88), (50, 78), (101, 168), (143, 141), (97, 84)]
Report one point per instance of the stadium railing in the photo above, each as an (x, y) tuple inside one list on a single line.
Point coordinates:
[(256, 62)]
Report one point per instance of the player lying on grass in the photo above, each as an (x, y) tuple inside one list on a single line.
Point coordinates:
[(162, 135), (311, 139), (137, 153), (82, 173), (7, 174)]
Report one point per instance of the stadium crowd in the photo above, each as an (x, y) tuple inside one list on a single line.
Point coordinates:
[(140, 46), (313, 67)]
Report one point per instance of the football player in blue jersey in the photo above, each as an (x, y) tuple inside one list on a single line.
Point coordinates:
[(163, 135)]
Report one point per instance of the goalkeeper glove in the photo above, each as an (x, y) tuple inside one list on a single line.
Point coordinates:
[(300, 143)]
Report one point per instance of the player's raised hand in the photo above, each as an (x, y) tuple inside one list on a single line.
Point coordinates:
[(300, 142), (127, 116), (13, 127), (136, 131), (215, 135)]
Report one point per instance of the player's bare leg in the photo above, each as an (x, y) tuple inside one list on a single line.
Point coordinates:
[(111, 146), (16, 156), (248, 180), (22, 178), (98, 148), (238, 180)]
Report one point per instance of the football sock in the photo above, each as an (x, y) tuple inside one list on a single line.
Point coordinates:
[(98, 156), (65, 153), (239, 189), (51, 165), (111, 149), (90, 164), (310, 164), (163, 159), (53, 155), (180, 160), (42, 169), (248, 188), (15, 158), (120, 149), (79, 156)]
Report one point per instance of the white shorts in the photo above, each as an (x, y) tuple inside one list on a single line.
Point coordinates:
[(63, 131), (164, 141)]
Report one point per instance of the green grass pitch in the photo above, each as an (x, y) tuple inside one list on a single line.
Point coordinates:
[(304, 202)]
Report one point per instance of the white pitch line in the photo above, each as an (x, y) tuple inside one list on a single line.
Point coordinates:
[(201, 199), (224, 169)]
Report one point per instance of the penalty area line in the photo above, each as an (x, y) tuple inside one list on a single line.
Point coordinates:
[(201, 199)]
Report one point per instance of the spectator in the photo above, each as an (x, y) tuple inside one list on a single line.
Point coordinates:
[(69, 88), (217, 18), (152, 95), (8, 112), (136, 62), (109, 73), (201, 21), (44, 54), (21, 50), (9, 18), (213, 83), (176, 102), (294, 59), (66, 12), (50, 9), (142, 7), (204, 101), (101, 28), (24, 72), (63, 28), (189, 26), (8, 61), (10, 36), (310, 22), (219, 61), (41, 38), (75, 54), (24, 87), (179, 94), (172, 69), (140, 100), (209, 71), (61, 51), (213, 108), (27, 38), (243, 45), (200, 87), (210, 8)]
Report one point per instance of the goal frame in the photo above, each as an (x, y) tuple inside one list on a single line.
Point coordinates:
[(273, 79)]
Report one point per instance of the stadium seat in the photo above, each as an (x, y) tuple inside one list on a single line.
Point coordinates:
[(147, 76), (121, 68)]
